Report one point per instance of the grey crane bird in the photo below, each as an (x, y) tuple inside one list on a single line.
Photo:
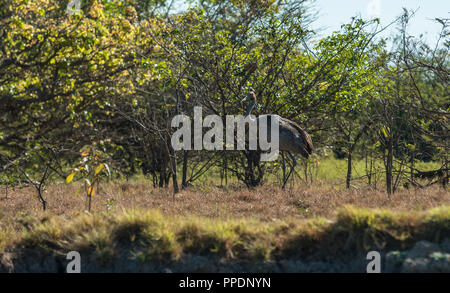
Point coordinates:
[(292, 138)]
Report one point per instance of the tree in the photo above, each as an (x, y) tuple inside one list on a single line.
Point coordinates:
[(55, 68)]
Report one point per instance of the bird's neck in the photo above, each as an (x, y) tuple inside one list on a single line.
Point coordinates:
[(250, 108)]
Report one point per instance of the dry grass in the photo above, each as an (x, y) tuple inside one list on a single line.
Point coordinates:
[(149, 235), (265, 203), (266, 223)]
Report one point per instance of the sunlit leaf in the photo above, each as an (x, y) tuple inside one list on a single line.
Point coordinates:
[(70, 177), (99, 168), (91, 190), (384, 132)]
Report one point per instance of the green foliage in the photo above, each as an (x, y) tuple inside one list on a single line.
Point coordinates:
[(92, 168), (118, 71)]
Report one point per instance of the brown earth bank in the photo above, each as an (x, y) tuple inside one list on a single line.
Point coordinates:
[(424, 257)]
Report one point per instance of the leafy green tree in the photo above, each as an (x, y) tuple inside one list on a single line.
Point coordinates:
[(55, 68)]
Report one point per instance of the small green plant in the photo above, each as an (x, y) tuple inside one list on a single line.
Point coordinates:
[(109, 204), (8, 181), (92, 168), (302, 207)]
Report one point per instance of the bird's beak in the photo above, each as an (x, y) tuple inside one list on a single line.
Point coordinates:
[(244, 99)]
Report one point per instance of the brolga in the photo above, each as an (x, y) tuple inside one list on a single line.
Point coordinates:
[(292, 138)]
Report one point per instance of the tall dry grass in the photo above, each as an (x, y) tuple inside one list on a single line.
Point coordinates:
[(264, 203)]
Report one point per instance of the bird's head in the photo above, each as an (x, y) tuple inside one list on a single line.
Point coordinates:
[(250, 97)]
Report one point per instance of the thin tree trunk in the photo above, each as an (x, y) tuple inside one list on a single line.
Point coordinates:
[(369, 168), (225, 166), (375, 178), (44, 203), (173, 160), (389, 161), (162, 176), (184, 175), (349, 167), (305, 171), (89, 202)]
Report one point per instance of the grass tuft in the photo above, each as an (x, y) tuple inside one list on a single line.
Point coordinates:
[(149, 237)]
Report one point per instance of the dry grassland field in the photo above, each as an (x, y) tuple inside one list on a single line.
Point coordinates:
[(134, 227), (266, 203)]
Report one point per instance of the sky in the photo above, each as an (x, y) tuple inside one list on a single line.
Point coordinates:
[(333, 13)]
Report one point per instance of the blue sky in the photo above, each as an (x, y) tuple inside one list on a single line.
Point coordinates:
[(333, 13)]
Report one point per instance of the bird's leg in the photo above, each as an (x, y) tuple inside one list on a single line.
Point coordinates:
[(294, 163), (283, 166)]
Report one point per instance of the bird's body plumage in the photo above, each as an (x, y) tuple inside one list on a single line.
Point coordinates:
[(292, 138)]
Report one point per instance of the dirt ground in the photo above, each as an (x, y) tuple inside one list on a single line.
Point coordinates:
[(264, 203)]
